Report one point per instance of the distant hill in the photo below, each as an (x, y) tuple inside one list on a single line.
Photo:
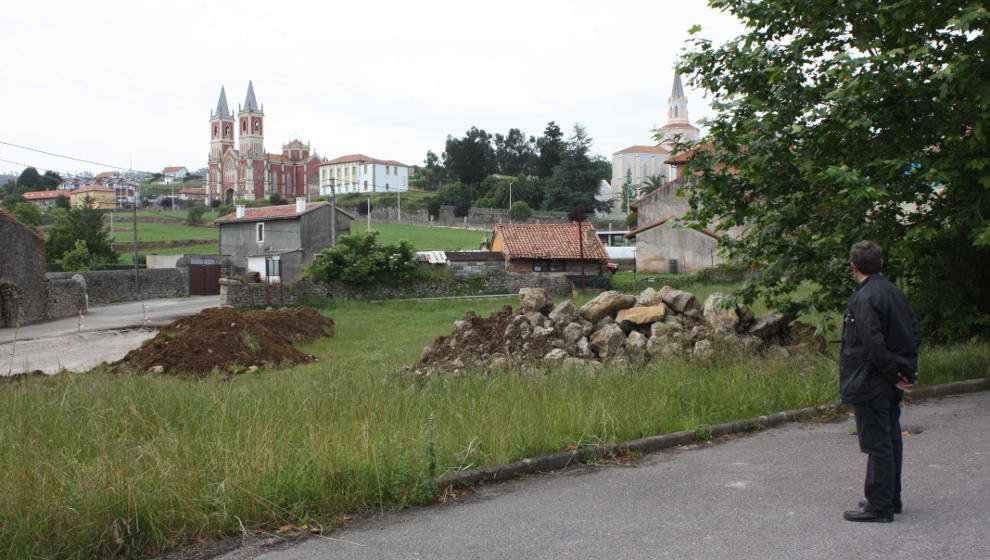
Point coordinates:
[(4, 179)]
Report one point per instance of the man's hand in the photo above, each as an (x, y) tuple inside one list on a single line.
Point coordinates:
[(904, 384)]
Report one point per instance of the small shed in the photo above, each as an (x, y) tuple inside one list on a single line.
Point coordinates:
[(550, 249)]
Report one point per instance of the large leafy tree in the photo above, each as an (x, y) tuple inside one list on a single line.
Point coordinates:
[(471, 158), (514, 152), (842, 121), (551, 147)]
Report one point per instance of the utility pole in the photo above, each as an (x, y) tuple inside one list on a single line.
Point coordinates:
[(581, 245), (369, 213), (137, 278), (398, 199), (333, 213)]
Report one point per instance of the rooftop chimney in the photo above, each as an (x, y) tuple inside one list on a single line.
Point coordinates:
[(240, 210), (300, 205)]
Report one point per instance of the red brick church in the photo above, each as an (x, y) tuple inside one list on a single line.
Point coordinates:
[(248, 172)]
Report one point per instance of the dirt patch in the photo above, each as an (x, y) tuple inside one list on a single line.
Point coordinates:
[(484, 338), (221, 338)]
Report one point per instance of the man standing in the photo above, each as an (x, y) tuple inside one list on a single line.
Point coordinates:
[(879, 359)]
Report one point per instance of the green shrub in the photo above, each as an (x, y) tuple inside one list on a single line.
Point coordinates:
[(77, 258), (520, 211), (360, 260)]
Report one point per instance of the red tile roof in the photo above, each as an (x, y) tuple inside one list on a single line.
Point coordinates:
[(647, 227), (685, 156), (41, 195), (170, 169), (550, 241), (642, 149), (274, 212), (92, 188), (106, 174), (193, 191)]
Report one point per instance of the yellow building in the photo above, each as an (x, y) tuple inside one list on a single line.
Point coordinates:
[(103, 197)]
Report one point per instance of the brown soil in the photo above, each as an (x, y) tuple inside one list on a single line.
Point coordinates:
[(228, 340)]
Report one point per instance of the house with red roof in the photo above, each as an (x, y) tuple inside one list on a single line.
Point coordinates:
[(550, 249), (43, 199), (172, 174), (278, 241)]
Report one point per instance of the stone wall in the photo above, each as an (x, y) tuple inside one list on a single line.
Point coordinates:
[(467, 269), (22, 273), (479, 218), (66, 297), (238, 293), (109, 286)]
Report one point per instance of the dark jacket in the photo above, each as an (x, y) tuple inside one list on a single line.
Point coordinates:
[(880, 339)]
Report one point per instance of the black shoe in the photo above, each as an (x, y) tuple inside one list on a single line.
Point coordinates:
[(865, 514), (898, 508)]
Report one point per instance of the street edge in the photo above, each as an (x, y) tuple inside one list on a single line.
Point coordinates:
[(563, 459)]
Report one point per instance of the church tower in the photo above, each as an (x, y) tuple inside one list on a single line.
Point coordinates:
[(221, 140), (251, 136), (678, 127), (251, 126)]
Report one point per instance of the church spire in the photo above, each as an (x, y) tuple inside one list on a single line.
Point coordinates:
[(222, 110), (250, 103), (677, 112)]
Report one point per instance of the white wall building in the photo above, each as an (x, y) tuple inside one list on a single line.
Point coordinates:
[(359, 173)]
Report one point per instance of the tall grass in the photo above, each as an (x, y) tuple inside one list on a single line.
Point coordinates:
[(94, 465)]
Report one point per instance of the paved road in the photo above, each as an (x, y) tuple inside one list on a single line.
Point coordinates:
[(107, 333), (776, 494)]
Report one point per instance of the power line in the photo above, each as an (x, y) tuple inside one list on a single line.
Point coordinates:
[(63, 156)]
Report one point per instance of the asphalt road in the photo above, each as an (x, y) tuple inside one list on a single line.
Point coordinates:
[(105, 333), (775, 494)]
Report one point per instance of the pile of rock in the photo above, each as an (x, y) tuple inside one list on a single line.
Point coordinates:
[(616, 327)]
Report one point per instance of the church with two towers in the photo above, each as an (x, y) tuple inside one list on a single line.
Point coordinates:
[(245, 171)]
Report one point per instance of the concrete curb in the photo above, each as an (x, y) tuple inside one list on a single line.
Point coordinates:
[(562, 459)]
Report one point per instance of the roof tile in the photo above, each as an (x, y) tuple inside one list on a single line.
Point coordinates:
[(550, 241)]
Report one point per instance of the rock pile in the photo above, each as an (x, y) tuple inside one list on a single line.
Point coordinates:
[(615, 327)]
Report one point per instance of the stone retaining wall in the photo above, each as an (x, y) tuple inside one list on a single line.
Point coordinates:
[(109, 286), (238, 293), (66, 297)]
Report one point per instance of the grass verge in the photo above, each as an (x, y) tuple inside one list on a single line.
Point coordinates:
[(103, 466)]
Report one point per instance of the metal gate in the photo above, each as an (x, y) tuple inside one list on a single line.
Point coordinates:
[(204, 277)]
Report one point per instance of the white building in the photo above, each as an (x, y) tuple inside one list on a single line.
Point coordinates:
[(640, 164), (172, 174), (359, 173)]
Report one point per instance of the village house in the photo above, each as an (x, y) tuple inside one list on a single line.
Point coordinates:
[(278, 241), (358, 173), (662, 243), (42, 199), (172, 174), (102, 197), (550, 249)]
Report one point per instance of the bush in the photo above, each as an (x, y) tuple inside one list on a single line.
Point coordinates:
[(225, 209), (276, 199), (520, 211), (195, 214), (77, 258), (632, 220), (360, 260), (484, 203)]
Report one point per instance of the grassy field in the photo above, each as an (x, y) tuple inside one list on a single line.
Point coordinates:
[(423, 238), (94, 465)]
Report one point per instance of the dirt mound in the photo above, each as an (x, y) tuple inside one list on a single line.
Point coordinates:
[(229, 340), (477, 337)]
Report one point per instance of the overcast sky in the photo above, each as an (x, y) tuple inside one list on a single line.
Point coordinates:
[(132, 83)]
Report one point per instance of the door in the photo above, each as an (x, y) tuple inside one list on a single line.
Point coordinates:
[(204, 277)]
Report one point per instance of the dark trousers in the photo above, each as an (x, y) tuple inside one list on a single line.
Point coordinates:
[(878, 424)]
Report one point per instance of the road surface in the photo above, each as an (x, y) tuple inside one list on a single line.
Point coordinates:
[(104, 334)]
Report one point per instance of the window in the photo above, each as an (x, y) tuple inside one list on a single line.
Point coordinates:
[(216, 129), (386, 170), (261, 232), (549, 266), (244, 125)]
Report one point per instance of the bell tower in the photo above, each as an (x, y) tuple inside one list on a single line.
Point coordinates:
[(251, 126), (221, 139)]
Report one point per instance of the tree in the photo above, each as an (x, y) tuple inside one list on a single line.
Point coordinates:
[(62, 201), (195, 214), (551, 146), (838, 122), (577, 177), (30, 179), (85, 223), (514, 152), (77, 258), (628, 191), (470, 159), (50, 180), (29, 214), (632, 220), (432, 175), (520, 211)]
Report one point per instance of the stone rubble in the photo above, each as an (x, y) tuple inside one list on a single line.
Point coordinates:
[(616, 328)]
